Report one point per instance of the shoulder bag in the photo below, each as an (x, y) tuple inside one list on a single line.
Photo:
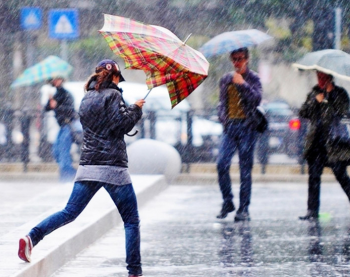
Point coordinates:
[(261, 120)]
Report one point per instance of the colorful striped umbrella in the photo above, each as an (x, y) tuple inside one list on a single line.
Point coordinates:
[(47, 69), (230, 41), (159, 53)]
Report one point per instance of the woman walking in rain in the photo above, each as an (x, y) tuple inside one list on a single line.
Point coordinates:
[(103, 163), (325, 105)]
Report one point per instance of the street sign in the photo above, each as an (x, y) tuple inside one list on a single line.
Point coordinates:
[(63, 24), (31, 18)]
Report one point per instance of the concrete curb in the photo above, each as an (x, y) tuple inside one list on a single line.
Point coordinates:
[(199, 172), (212, 178), (52, 259), (42, 177)]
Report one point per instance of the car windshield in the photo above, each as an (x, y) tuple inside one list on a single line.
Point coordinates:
[(278, 109)]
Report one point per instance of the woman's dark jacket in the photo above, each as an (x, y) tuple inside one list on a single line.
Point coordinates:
[(64, 111), (106, 119), (250, 93), (321, 117)]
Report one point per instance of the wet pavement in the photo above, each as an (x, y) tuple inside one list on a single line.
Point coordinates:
[(24, 204), (14, 199), (182, 237)]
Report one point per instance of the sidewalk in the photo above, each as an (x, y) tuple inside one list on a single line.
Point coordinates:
[(21, 213)]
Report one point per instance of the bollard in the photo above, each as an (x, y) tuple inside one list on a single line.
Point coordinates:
[(263, 150), (142, 127), (45, 147), (8, 119), (188, 151), (25, 126), (152, 123)]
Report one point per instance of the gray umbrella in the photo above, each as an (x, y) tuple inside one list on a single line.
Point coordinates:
[(330, 61)]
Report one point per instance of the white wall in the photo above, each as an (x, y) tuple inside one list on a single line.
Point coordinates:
[(290, 84)]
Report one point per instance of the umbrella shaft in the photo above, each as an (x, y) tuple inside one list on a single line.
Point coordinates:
[(187, 38), (147, 94)]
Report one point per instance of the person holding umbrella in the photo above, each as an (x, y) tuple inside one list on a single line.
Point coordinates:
[(325, 105), (103, 163), (240, 94), (62, 103)]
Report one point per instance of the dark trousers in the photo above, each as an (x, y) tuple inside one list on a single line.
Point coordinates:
[(61, 152), (316, 162), (237, 137)]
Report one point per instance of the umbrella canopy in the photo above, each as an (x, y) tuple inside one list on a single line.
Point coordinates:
[(330, 61), (230, 41), (49, 68), (165, 59)]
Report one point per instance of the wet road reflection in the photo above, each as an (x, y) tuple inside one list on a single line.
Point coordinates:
[(232, 234), (273, 244), (346, 248), (315, 248), (182, 237), (315, 245), (326, 256)]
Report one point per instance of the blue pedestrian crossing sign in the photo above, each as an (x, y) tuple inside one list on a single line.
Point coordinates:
[(63, 24), (31, 18)]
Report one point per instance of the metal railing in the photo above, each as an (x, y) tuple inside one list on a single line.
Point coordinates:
[(24, 136)]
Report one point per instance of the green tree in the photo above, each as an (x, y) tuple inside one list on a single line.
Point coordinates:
[(305, 21)]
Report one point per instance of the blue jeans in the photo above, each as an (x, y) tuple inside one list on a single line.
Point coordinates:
[(123, 197), (61, 152), (237, 136)]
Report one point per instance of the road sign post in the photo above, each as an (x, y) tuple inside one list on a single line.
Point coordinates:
[(30, 20), (337, 31)]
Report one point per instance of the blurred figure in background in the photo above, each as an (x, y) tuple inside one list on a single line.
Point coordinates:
[(62, 103), (325, 105), (240, 94)]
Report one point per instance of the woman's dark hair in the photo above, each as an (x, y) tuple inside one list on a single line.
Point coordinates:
[(101, 76)]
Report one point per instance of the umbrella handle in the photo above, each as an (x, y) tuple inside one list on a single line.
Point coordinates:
[(147, 94), (187, 39)]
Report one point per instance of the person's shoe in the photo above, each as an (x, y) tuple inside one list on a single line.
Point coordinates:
[(310, 215), (25, 249), (135, 275), (227, 207), (243, 216)]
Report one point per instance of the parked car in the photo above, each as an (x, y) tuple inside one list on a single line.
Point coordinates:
[(283, 131)]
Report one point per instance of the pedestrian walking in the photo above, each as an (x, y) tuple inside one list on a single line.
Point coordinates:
[(103, 163), (325, 105), (240, 94), (62, 103)]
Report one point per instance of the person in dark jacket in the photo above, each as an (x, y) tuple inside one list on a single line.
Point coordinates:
[(325, 105), (240, 94), (62, 103), (104, 163)]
